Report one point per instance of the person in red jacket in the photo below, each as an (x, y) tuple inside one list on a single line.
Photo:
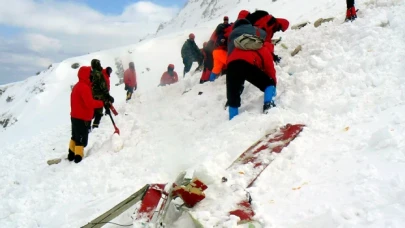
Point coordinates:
[(169, 77), (130, 80), (254, 66), (107, 73), (208, 63), (82, 105)]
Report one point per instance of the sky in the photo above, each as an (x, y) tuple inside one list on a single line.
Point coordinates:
[(37, 33)]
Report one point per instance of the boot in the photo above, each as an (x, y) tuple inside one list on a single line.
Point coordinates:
[(348, 15), (269, 94), (71, 155), (267, 106), (129, 95), (79, 153), (233, 112), (354, 13), (213, 77)]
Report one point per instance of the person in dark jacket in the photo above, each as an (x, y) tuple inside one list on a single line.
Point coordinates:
[(99, 89), (190, 53), (254, 66), (82, 106), (351, 12), (169, 77)]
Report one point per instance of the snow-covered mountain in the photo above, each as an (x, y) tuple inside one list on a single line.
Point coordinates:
[(345, 170)]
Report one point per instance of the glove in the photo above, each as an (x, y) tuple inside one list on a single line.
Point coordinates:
[(276, 58), (107, 105), (107, 111), (135, 87), (111, 99)]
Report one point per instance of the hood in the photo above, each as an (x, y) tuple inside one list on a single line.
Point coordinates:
[(84, 74), (284, 23), (243, 14)]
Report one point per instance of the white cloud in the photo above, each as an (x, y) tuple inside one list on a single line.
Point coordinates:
[(25, 60), (55, 30), (41, 43)]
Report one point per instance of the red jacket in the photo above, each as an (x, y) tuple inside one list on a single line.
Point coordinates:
[(272, 25), (107, 79), (130, 78), (82, 104), (262, 58), (167, 79)]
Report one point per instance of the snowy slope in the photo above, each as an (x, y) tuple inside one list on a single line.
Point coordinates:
[(208, 13), (345, 169)]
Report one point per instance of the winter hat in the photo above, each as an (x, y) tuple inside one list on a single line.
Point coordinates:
[(96, 65), (191, 36), (171, 66), (243, 14), (283, 23), (131, 65), (109, 71)]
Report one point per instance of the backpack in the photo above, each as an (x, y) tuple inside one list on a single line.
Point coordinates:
[(248, 42)]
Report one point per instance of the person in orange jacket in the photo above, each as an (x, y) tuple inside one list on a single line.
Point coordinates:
[(130, 80), (82, 105), (220, 38), (169, 77)]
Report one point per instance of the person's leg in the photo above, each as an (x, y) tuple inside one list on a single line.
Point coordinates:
[(72, 143), (98, 113), (82, 130), (235, 79), (265, 83)]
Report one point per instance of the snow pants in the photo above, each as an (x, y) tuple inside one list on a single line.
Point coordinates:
[(220, 57), (238, 72), (205, 75), (98, 113), (130, 91), (80, 131), (349, 3), (188, 62)]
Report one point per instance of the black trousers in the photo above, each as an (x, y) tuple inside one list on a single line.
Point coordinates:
[(98, 113), (349, 3), (80, 131), (238, 72)]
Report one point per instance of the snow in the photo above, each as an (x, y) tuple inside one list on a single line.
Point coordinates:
[(344, 170)]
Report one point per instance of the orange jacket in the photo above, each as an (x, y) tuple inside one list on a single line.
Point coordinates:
[(167, 79)]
